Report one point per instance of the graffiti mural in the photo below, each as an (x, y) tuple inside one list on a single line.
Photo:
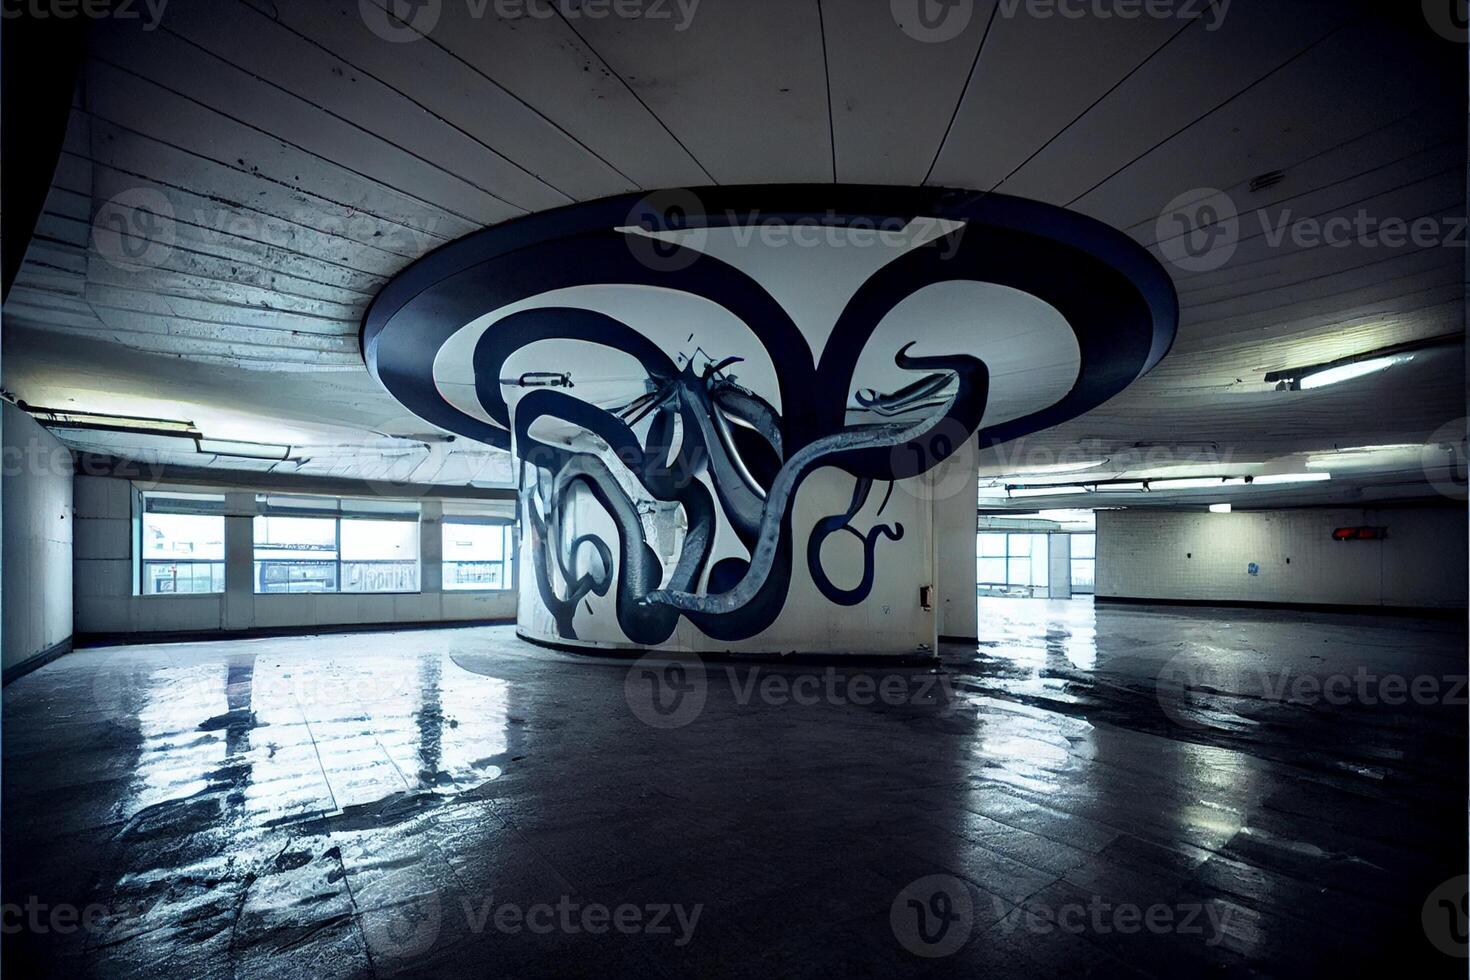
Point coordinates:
[(719, 400)]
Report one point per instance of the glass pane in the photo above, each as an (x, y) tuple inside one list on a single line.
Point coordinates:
[(1084, 545), (992, 571), (380, 541), (182, 553), (380, 576), (297, 537), (476, 556), (280, 576), (380, 556), (1020, 544), (1040, 572), (992, 546), (295, 554), (1019, 571), (473, 542), (1082, 574)]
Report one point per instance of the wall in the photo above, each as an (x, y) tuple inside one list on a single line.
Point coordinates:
[(106, 603), (1153, 554), (37, 518)]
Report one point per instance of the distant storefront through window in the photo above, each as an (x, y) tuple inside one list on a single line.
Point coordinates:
[(315, 544)]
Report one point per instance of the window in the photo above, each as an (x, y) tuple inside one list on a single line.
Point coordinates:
[(313, 544), (181, 547), (1084, 562), (1011, 564), (479, 553)]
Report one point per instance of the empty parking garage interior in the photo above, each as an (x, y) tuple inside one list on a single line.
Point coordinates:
[(733, 488)]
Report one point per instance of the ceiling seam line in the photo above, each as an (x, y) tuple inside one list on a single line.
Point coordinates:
[(281, 183), (1098, 101), (1190, 125), (959, 102), (646, 107), (1453, 169), (1191, 324), (245, 207), (827, 77), (528, 106), (252, 265), (1451, 142), (475, 222), (1367, 285), (1326, 275), (363, 129), (390, 87)]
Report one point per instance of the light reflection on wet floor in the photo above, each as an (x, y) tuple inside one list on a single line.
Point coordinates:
[(349, 805)]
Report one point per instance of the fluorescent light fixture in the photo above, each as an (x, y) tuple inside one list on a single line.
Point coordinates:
[(1187, 483), (1347, 372), (242, 450), (1057, 491), (1273, 479), (1120, 487), (1219, 508), (1074, 467), (107, 422)]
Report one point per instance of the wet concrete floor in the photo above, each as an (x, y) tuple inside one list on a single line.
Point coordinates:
[(1109, 791)]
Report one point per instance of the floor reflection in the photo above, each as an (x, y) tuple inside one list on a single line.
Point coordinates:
[(350, 806)]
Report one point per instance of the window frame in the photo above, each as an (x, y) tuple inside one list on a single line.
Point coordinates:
[(205, 505), (337, 510), (510, 547)]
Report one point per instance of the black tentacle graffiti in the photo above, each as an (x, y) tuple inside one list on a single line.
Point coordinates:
[(695, 469)]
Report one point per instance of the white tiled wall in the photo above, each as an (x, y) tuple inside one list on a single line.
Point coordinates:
[(1152, 554), (104, 591)]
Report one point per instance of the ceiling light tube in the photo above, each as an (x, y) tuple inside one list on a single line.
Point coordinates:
[(1056, 491), (1187, 483), (1042, 470), (1274, 479), (1219, 508), (1347, 372)]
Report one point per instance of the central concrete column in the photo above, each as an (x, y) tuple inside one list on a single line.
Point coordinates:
[(956, 500)]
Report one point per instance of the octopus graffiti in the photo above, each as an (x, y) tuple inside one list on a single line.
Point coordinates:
[(675, 372)]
